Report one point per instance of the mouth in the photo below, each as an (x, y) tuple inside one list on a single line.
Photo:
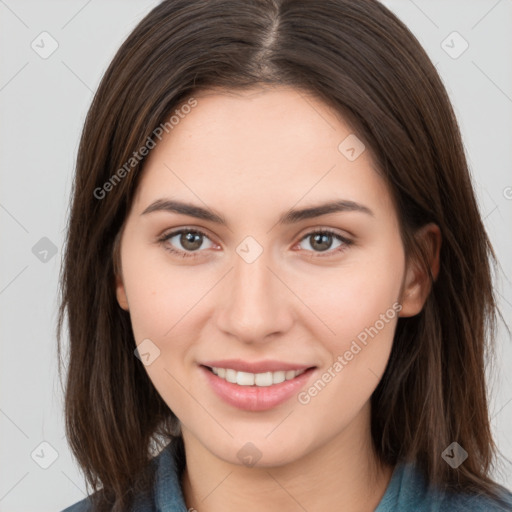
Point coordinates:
[(263, 379), (255, 392)]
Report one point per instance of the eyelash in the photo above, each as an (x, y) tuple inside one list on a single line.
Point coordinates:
[(325, 231)]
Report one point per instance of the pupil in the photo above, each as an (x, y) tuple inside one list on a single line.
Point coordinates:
[(191, 241), (324, 241)]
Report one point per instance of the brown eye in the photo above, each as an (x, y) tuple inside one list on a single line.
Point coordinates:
[(191, 241), (185, 241), (322, 241)]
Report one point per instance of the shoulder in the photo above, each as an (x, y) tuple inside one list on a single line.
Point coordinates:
[(82, 506), (474, 503), (142, 503), (165, 494), (408, 492)]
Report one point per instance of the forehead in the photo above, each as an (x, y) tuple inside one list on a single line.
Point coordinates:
[(263, 147)]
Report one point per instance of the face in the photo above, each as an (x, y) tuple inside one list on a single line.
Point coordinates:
[(248, 281)]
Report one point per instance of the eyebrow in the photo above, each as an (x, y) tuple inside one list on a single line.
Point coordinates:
[(289, 217)]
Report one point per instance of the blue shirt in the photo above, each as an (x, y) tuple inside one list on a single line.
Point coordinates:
[(406, 492)]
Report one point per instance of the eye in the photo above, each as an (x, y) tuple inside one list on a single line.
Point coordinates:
[(322, 242), (185, 242)]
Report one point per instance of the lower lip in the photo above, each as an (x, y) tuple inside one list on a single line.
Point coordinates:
[(255, 398)]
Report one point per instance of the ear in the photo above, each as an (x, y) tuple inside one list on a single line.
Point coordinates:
[(121, 293), (421, 271), (122, 299)]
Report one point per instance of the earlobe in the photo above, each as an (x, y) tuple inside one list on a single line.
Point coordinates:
[(120, 289), (421, 272), (121, 294)]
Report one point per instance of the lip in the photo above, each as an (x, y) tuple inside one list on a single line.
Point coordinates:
[(255, 367), (255, 398)]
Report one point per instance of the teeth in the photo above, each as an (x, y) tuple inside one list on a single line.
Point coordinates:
[(263, 379), (258, 379), (231, 375), (245, 379)]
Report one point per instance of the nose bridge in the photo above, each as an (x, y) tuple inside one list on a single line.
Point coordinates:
[(255, 306)]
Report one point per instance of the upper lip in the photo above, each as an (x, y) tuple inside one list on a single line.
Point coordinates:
[(257, 366)]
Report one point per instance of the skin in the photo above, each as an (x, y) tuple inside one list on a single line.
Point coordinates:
[(278, 149)]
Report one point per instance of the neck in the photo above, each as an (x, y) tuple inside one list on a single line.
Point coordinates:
[(345, 470)]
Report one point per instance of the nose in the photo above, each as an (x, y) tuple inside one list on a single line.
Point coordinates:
[(255, 303)]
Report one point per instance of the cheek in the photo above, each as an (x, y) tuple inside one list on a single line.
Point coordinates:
[(353, 298), (363, 314), (359, 304), (161, 295), (167, 306), (164, 301)]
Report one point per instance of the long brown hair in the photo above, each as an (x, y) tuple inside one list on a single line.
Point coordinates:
[(362, 61)]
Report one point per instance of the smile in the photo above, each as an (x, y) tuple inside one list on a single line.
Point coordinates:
[(255, 392), (255, 379)]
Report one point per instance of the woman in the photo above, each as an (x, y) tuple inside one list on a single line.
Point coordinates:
[(277, 281)]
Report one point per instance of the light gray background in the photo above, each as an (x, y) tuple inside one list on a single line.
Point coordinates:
[(43, 104)]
